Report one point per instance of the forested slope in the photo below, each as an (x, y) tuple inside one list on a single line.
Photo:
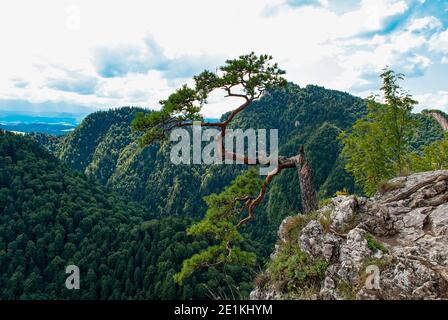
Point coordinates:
[(104, 148), (51, 217)]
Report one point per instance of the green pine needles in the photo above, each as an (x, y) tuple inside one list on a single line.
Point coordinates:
[(220, 225), (246, 77)]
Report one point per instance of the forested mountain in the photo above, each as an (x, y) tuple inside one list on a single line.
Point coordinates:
[(63, 209), (51, 217), (104, 148), (329, 252)]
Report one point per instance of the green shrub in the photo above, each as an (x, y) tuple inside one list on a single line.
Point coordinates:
[(294, 272), (295, 224), (374, 245), (262, 280), (343, 192), (346, 290), (324, 202), (382, 264)]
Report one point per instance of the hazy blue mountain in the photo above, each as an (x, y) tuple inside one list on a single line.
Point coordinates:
[(38, 127), (56, 125)]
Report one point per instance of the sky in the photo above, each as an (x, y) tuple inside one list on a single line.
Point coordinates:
[(80, 56)]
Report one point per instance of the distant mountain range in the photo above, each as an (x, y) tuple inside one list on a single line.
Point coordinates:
[(104, 148), (58, 124), (30, 123), (50, 128), (29, 119)]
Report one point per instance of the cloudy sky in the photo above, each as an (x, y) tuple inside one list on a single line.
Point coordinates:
[(73, 56)]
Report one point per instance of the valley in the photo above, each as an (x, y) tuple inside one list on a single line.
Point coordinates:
[(130, 246)]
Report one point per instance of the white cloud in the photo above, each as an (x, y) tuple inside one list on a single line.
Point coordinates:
[(425, 23), (439, 42), (438, 100), (136, 89), (315, 44)]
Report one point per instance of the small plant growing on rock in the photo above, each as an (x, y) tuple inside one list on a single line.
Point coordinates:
[(383, 264), (346, 291), (295, 224), (343, 192), (374, 245), (293, 271), (324, 202), (262, 280), (387, 186), (325, 220)]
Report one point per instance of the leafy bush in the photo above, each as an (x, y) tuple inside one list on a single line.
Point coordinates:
[(434, 157), (294, 272), (324, 202), (378, 147)]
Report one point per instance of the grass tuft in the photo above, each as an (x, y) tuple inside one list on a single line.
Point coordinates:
[(295, 273), (387, 186), (295, 224), (325, 220), (374, 245)]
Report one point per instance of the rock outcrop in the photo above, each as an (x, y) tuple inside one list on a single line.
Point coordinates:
[(440, 118), (391, 246)]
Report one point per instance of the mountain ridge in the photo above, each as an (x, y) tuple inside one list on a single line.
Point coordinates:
[(103, 153), (104, 147)]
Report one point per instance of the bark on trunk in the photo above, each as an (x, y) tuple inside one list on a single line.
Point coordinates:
[(306, 182)]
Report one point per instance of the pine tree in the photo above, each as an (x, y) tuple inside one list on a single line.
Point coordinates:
[(221, 225)]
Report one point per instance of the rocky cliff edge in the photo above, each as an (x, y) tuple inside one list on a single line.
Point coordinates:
[(391, 246)]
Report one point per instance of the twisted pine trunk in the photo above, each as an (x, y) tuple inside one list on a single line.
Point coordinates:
[(306, 183)]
